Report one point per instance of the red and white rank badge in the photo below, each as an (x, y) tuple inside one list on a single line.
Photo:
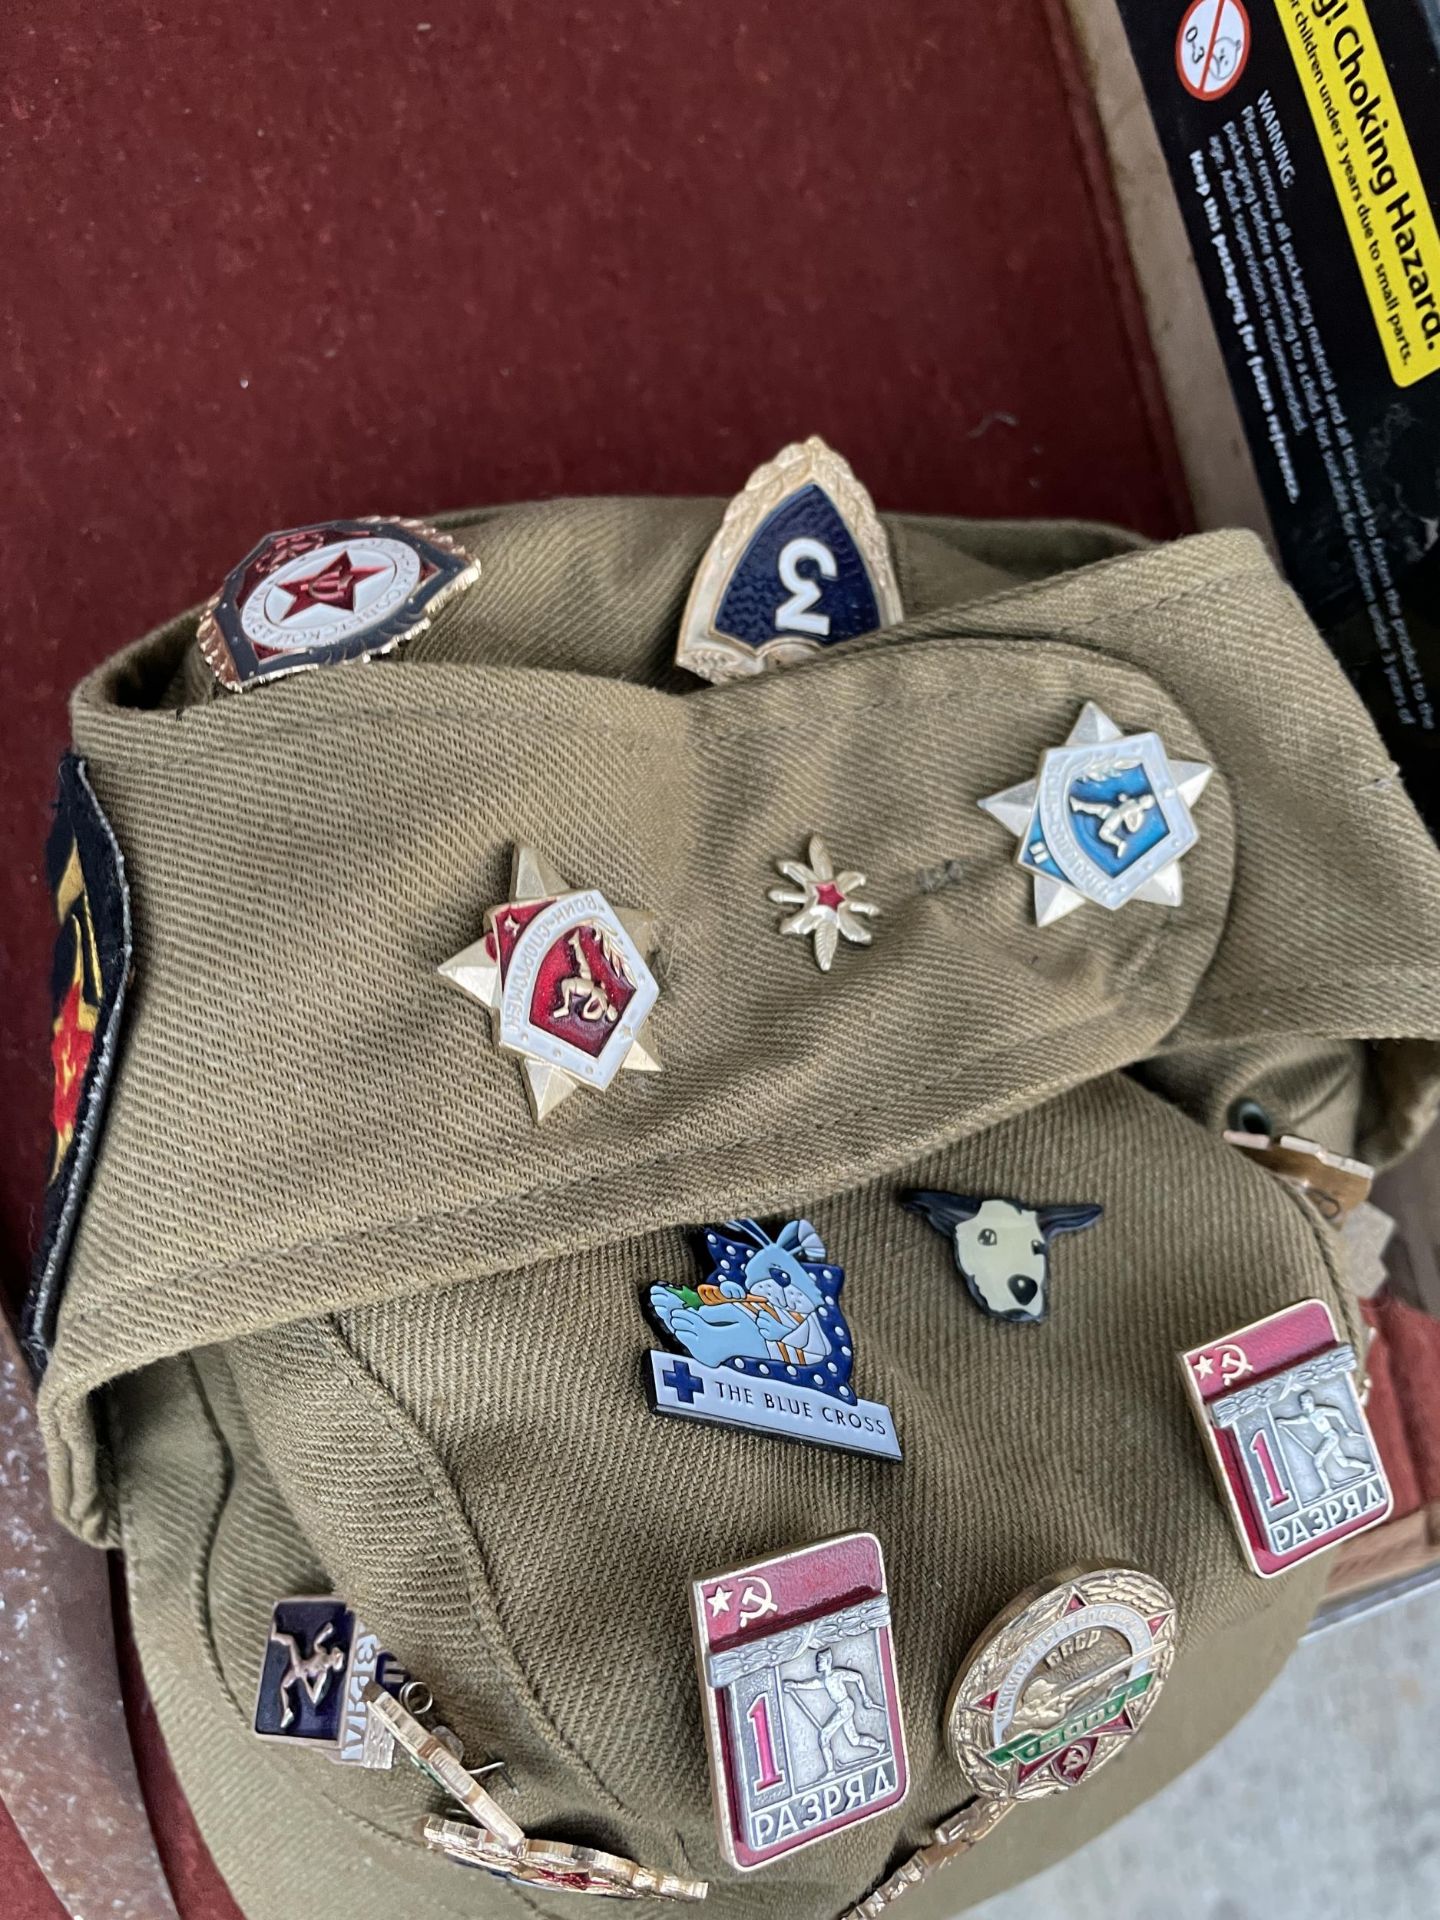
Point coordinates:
[(1287, 1435), (563, 974), (802, 1709), (319, 596)]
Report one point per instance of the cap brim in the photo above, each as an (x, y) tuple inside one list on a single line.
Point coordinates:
[(209, 1543)]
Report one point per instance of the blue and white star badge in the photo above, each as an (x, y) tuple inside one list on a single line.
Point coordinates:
[(800, 564), (1107, 819), (772, 1349)]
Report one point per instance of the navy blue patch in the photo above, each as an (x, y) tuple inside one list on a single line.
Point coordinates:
[(802, 576), (338, 591), (302, 1681), (88, 979)]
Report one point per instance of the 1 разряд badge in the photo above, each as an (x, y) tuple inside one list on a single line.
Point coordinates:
[(802, 1705)]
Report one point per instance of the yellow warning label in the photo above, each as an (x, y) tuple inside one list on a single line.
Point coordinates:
[(1376, 180)]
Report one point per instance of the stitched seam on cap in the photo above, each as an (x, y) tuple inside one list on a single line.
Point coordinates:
[(358, 1235), (1032, 589), (218, 746), (483, 1597), (1333, 987)]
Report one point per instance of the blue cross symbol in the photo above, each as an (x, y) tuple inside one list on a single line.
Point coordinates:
[(682, 1382)]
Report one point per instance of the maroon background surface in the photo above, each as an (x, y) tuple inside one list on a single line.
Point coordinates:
[(269, 263)]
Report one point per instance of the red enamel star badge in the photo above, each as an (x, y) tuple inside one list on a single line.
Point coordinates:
[(563, 974), (331, 586)]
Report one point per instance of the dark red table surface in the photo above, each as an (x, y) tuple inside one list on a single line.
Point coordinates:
[(268, 263)]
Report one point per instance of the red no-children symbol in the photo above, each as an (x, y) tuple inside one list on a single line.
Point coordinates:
[(1212, 47)]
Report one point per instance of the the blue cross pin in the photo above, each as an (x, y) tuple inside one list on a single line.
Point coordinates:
[(682, 1382)]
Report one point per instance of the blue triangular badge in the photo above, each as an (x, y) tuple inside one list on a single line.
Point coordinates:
[(801, 563)]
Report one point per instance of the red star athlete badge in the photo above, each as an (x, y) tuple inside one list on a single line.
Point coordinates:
[(1287, 1436), (563, 974), (317, 596)]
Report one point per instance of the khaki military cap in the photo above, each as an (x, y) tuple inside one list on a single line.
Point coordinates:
[(340, 1318)]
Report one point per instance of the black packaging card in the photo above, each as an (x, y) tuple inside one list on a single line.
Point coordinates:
[(1303, 140)]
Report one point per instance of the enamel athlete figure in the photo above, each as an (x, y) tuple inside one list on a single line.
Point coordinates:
[(1120, 820), (310, 1672), (836, 1682), (582, 985), (1331, 1430), (317, 1656)]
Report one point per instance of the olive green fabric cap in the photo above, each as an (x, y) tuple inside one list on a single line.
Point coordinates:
[(339, 1317)]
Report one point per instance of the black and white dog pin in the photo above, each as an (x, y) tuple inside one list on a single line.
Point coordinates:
[(1002, 1247)]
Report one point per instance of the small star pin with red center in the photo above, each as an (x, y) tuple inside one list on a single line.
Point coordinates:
[(825, 903)]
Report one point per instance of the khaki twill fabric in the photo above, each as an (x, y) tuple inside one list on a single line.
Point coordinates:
[(339, 1317)]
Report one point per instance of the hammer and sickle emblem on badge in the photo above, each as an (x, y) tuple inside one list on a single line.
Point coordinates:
[(1234, 1364), (756, 1601)]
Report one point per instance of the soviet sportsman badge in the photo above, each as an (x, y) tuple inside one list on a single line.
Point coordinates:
[(318, 1663), (1287, 1436), (1001, 1247), (563, 975), (772, 1350), (1054, 1689), (801, 562), (1106, 819), (802, 1707), (342, 590), (1057, 1685)]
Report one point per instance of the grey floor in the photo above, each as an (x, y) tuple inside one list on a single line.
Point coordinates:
[(1324, 1804)]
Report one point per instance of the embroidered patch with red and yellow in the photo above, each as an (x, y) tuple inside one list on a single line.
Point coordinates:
[(90, 972)]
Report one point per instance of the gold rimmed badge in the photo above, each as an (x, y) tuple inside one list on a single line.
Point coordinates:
[(801, 562), (564, 978), (1054, 1689), (324, 595)]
